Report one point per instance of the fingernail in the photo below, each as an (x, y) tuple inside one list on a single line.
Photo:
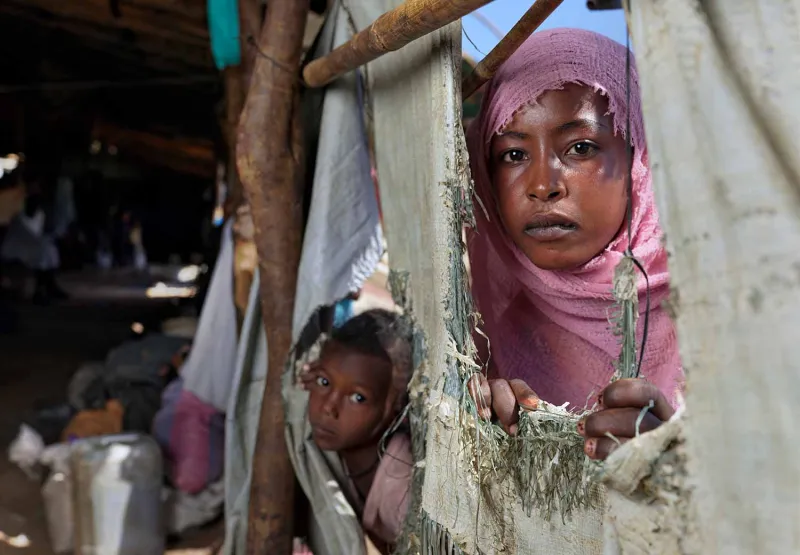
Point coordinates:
[(590, 447), (582, 427), (512, 430)]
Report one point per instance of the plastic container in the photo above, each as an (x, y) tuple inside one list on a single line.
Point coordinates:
[(117, 499)]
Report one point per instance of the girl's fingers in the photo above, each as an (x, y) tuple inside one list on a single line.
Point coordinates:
[(598, 448), (638, 394), (481, 393), (526, 397), (504, 404), (617, 422)]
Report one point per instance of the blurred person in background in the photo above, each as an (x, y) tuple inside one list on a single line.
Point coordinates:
[(27, 242)]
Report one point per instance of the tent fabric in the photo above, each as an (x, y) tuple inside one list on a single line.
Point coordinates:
[(241, 423), (209, 368)]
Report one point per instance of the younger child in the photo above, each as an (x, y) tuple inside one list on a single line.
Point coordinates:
[(357, 391)]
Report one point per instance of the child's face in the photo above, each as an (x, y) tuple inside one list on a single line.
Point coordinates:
[(559, 176), (350, 404)]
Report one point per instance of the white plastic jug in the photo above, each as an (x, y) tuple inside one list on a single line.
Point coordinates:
[(117, 483)]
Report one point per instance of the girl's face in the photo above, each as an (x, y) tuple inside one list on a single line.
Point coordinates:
[(350, 397), (559, 176)]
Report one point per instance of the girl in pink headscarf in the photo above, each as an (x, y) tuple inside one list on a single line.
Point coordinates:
[(550, 161)]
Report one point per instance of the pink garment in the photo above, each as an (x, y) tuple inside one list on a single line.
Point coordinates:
[(190, 443), (550, 328), (387, 502)]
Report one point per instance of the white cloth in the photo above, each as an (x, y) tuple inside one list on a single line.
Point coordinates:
[(343, 243), (209, 369)]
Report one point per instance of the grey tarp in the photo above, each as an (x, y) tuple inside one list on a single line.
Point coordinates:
[(241, 423)]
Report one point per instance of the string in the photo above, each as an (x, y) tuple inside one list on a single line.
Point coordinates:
[(298, 80), (254, 43), (629, 250)]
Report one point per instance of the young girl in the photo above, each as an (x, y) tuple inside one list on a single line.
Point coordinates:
[(357, 390), (550, 160)]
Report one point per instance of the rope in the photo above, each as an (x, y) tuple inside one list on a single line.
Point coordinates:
[(629, 215)]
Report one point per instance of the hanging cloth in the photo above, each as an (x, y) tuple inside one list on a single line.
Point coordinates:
[(223, 28), (211, 364)]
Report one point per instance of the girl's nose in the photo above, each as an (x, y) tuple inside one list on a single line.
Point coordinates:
[(544, 182), (331, 406)]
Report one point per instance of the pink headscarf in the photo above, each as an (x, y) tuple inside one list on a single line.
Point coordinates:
[(551, 328)]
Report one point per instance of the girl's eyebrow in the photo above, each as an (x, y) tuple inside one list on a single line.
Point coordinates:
[(582, 123), (513, 134)]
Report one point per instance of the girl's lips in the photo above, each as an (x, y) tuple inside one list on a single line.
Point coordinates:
[(323, 432), (550, 227), (551, 232)]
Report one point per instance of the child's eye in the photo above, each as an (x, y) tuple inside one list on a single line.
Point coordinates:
[(358, 398), (322, 381), (583, 148), (512, 156)]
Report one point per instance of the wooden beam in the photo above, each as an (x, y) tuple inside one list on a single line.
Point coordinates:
[(187, 155), (142, 50), (270, 162), (191, 9), (391, 31), (134, 18), (509, 44)]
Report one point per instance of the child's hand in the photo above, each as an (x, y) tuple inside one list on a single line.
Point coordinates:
[(502, 398), (306, 377), (620, 405)]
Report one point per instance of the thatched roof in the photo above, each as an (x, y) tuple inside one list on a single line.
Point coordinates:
[(139, 65)]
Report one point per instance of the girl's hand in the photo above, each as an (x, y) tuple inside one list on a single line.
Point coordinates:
[(620, 405), (501, 398)]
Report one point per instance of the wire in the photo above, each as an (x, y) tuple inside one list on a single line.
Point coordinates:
[(629, 250)]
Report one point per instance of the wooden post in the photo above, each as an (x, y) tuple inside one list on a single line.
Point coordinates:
[(518, 34), (270, 162), (391, 31)]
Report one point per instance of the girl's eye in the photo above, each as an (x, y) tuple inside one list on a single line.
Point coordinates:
[(322, 381), (357, 398), (582, 148), (512, 156)]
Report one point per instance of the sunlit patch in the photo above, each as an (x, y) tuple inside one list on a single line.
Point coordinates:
[(9, 163), (163, 291), (189, 273), (20, 542)]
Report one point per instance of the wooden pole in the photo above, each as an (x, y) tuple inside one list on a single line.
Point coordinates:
[(270, 162), (391, 31), (509, 44)]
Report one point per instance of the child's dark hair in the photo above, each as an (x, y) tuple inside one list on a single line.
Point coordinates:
[(379, 333)]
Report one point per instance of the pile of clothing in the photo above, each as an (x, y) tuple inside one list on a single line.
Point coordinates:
[(124, 393)]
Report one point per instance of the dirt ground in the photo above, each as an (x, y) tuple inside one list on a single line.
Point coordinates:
[(36, 362)]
